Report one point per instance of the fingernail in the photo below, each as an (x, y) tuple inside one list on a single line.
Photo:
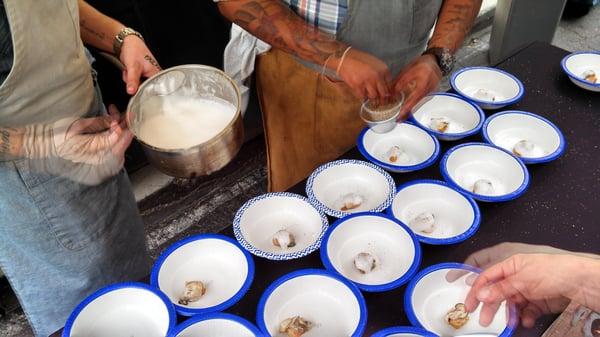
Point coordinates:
[(483, 294)]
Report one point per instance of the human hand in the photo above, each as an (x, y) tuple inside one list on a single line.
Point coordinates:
[(366, 75), (421, 77), (536, 284), (138, 62), (85, 150)]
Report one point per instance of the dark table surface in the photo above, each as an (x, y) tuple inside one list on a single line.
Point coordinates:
[(561, 207)]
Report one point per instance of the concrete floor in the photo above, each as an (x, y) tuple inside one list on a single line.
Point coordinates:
[(185, 208)]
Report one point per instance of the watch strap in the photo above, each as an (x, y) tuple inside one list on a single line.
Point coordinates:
[(444, 58), (120, 38)]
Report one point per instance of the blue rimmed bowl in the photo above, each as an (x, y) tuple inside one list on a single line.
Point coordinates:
[(216, 324), (259, 220), (406, 148), (404, 331), (392, 245), (333, 305), (437, 289), (336, 186), (124, 309), (543, 140), (485, 172), (461, 118), (225, 268), (490, 88), (455, 216), (576, 66)]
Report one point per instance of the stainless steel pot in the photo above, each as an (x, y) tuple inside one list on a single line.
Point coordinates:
[(197, 81)]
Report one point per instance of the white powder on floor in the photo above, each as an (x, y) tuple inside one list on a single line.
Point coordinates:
[(179, 122)]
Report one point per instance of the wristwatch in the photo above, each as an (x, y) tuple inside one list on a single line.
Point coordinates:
[(444, 58), (120, 38)]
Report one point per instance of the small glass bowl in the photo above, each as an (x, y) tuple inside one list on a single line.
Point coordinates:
[(381, 119)]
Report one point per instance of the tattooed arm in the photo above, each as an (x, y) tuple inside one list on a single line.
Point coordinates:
[(272, 21), (454, 23), (99, 30), (11, 143), (423, 74)]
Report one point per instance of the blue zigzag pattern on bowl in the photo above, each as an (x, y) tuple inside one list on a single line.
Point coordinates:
[(237, 231), (339, 214)]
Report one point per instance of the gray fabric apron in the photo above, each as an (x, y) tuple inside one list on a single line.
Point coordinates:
[(59, 240), (396, 31)]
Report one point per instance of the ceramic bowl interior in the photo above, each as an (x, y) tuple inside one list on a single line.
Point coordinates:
[(579, 63), (222, 325), (507, 129), (266, 215), (455, 215), (468, 164), (416, 146), (126, 311), (330, 305), (462, 116), (404, 331), (433, 296), (221, 265), (336, 182), (394, 249), (472, 82)]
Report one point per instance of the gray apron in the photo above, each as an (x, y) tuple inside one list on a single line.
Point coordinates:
[(396, 31), (59, 240)]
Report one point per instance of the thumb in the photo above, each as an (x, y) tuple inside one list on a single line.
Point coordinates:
[(133, 74)]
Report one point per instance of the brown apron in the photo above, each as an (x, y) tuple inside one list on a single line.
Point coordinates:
[(310, 119)]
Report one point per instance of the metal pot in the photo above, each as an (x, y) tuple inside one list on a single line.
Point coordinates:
[(196, 81)]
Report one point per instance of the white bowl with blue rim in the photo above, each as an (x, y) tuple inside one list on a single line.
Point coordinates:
[(460, 118), (225, 269), (261, 218), (391, 245), (485, 172), (490, 88), (406, 148), (437, 289), (532, 138), (579, 65), (122, 310), (333, 185), (216, 324), (453, 216), (334, 306), (404, 331)]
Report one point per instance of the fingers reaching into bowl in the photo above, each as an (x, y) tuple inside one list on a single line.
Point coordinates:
[(536, 284), (417, 80)]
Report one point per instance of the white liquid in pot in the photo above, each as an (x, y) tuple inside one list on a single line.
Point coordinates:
[(180, 122)]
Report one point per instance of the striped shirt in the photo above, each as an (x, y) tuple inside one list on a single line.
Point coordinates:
[(327, 15)]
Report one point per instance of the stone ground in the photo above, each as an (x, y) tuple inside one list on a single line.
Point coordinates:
[(184, 208)]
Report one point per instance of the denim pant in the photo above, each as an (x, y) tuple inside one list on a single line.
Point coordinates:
[(60, 240)]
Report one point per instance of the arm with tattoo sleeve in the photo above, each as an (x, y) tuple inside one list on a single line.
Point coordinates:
[(275, 23), (454, 23), (11, 141)]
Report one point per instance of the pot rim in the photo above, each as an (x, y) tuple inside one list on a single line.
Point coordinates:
[(198, 146)]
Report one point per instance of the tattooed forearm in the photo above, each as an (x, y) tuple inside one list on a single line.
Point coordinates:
[(86, 29), (10, 143), (454, 23), (272, 21), (152, 61)]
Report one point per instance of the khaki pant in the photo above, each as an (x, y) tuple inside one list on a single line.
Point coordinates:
[(308, 119)]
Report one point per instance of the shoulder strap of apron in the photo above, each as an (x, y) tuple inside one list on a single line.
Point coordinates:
[(51, 77)]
